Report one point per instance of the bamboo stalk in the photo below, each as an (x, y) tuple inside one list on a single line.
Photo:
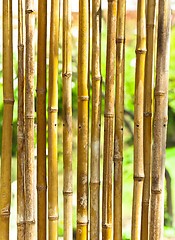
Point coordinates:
[(52, 123), (67, 119), (160, 121), (21, 130), (8, 98), (109, 122), (138, 121), (149, 76), (41, 119), (119, 119), (96, 122), (29, 122), (83, 97)]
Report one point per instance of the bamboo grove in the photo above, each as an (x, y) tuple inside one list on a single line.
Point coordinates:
[(100, 147)]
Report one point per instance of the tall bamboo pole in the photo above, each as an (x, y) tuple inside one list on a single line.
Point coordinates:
[(160, 121), (67, 119), (109, 122), (119, 119), (147, 136), (96, 122), (21, 130), (138, 121), (41, 119), (82, 166), (8, 98), (29, 122), (52, 123)]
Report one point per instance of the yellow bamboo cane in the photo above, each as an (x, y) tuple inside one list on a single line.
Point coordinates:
[(41, 119), (149, 75), (82, 167), (67, 119), (160, 121), (21, 132), (138, 121), (119, 118), (109, 122), (52, 123), (8, 98), (96, 122)]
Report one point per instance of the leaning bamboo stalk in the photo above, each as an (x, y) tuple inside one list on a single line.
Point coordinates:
[(52, 123), (8, 98), (29, 122), (83, 98), (138, 121), (67, 119), (119, 119), (96, 122), (149, 76), (160, 121), (21, 131), (41, 119), (109, 122)]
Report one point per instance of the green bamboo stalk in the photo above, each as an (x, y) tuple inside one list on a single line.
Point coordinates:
[(21, 130), (67, 119), (41, 119), (138, 121), (160, 121), (109, 122), (96, 122), (119, 119), (8, 98)]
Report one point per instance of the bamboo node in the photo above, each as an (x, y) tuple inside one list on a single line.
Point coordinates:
[(97, 78), (53, 218), (156, 191), (147, 114), (21, 223), (5, 212), (41, 91), (9, 101), (30, 221), (106, 225), (21, 46), (29, 116), (83, 98), (67, 75), (41, 188), (108, 115), (138, 178), (52, 110), (67, 193), (117, 159), (29, 11), (141, 51), (111, 1), (120, 40), (82, 223), (95, 183), (160, 93)]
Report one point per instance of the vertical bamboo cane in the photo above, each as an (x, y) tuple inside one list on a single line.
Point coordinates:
[(52, 123), (138, 121), (21, 131), (119, 119), (5, 182), (109, 122), (29, 123), (160, 121), (96, 122), (67, 119), (147, 136), (41, 119), (83, 97)]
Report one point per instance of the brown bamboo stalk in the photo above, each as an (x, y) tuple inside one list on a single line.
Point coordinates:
[(29, 123), (21, 130), (119, 119), (8, 98), (67, 119), (52, 123), (147, 136), (109, 122), (41, 119), (83, 97), (160, 121), (96, 122), (138, 121)]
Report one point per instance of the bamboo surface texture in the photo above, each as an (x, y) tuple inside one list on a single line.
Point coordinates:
[(41, 120), (147, 136), (138, 121), (67, 119), (29, 123), (96, 122), (160, 121), (119, 118), (52, 123), (109, 122), (8, 99), (21, 129), (83, 98)]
